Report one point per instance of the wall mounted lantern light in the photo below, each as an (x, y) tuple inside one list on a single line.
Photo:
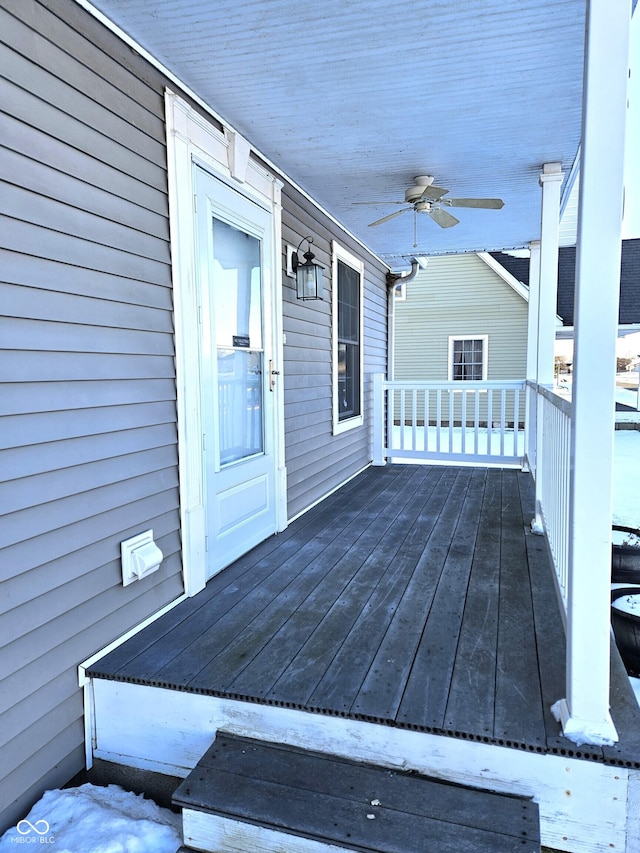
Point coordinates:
[(308, 274)]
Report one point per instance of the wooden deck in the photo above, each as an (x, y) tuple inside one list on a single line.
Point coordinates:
[(415, 597)]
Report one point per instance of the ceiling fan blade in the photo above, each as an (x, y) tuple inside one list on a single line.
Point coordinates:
[(434, 193), (486, 203), (390, 216), (444, 219)]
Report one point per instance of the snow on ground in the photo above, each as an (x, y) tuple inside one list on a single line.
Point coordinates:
[(91, 819)]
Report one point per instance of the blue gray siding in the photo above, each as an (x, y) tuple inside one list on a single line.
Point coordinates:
[(318, 461), (87, 404), (88, 434)]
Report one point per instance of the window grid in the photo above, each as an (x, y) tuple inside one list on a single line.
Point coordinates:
[(468, 359)]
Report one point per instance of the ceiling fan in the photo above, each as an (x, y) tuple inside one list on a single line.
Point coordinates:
[(424, 197)]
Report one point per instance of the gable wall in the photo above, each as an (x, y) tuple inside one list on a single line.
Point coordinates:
[(459, 295), (87, 403)]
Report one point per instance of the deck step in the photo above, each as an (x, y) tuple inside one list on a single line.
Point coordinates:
[(247, 795)]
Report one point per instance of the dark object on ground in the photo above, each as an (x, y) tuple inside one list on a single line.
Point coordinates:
[(625, 558), (626, 629)]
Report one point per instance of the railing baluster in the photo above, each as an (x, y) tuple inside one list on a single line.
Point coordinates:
[(476, 421), (391, 407), (414, 419), (438, 419), (425, 419), (463, 422)]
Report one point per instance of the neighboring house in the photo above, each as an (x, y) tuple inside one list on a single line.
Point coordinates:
[(463, 317), (93, 386), (629, 310)]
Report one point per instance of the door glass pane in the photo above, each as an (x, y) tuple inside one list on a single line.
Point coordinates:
[(237, 306), (239, 404), (237, 280)]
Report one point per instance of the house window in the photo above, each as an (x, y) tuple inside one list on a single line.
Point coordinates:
[(348, 276), (468, 358)]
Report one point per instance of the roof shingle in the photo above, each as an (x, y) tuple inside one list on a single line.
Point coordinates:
[(629, 280)]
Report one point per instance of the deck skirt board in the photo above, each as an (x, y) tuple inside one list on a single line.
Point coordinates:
[(350, 805), (415, 597)]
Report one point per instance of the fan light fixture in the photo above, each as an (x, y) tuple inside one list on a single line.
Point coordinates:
[(308, 274)]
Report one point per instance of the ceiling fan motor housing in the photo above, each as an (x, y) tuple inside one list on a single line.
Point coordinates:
[(417, 190)]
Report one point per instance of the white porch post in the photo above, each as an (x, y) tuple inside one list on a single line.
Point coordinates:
[(551, 183), (547, 260), (585, 711), (377, 436), (532, 355)]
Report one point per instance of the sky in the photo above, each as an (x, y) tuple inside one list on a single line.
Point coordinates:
[(631, 223)]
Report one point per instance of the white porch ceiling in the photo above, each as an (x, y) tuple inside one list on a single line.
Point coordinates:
[(352, 98)]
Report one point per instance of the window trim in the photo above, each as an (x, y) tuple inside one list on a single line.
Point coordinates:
[(485, 355), (340, 254)]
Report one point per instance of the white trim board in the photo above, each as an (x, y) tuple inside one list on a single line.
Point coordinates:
[(583, 804), (521, 289), (192, 140)]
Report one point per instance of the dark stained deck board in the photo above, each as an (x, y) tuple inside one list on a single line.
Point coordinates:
[(330, 799), (427, 689), (518, 711), (341, 683), (270, 664), (383, 688), (471, 700), (183, 629), (549, 629), (326, 645), (273, 603), (415, 596)]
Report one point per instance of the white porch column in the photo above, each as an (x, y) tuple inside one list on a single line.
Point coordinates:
[(547, 262), (532, 361), (377, 433), (585, 711), (551, 183), (534, 310)]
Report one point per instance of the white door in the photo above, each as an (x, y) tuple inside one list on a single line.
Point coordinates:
[(235, 260)]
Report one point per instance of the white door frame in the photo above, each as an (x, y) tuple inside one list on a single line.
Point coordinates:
[(226, 155)]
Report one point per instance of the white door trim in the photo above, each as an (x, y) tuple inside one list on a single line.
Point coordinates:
[(190, 139)]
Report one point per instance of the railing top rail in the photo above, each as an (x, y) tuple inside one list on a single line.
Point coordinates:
[(466, 385), (555, 399)]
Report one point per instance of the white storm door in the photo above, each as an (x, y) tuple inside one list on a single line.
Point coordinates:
[(235, 257)]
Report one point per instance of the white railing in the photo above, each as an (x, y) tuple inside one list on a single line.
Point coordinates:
[(552, 476), (456, 422), (482, 423)]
